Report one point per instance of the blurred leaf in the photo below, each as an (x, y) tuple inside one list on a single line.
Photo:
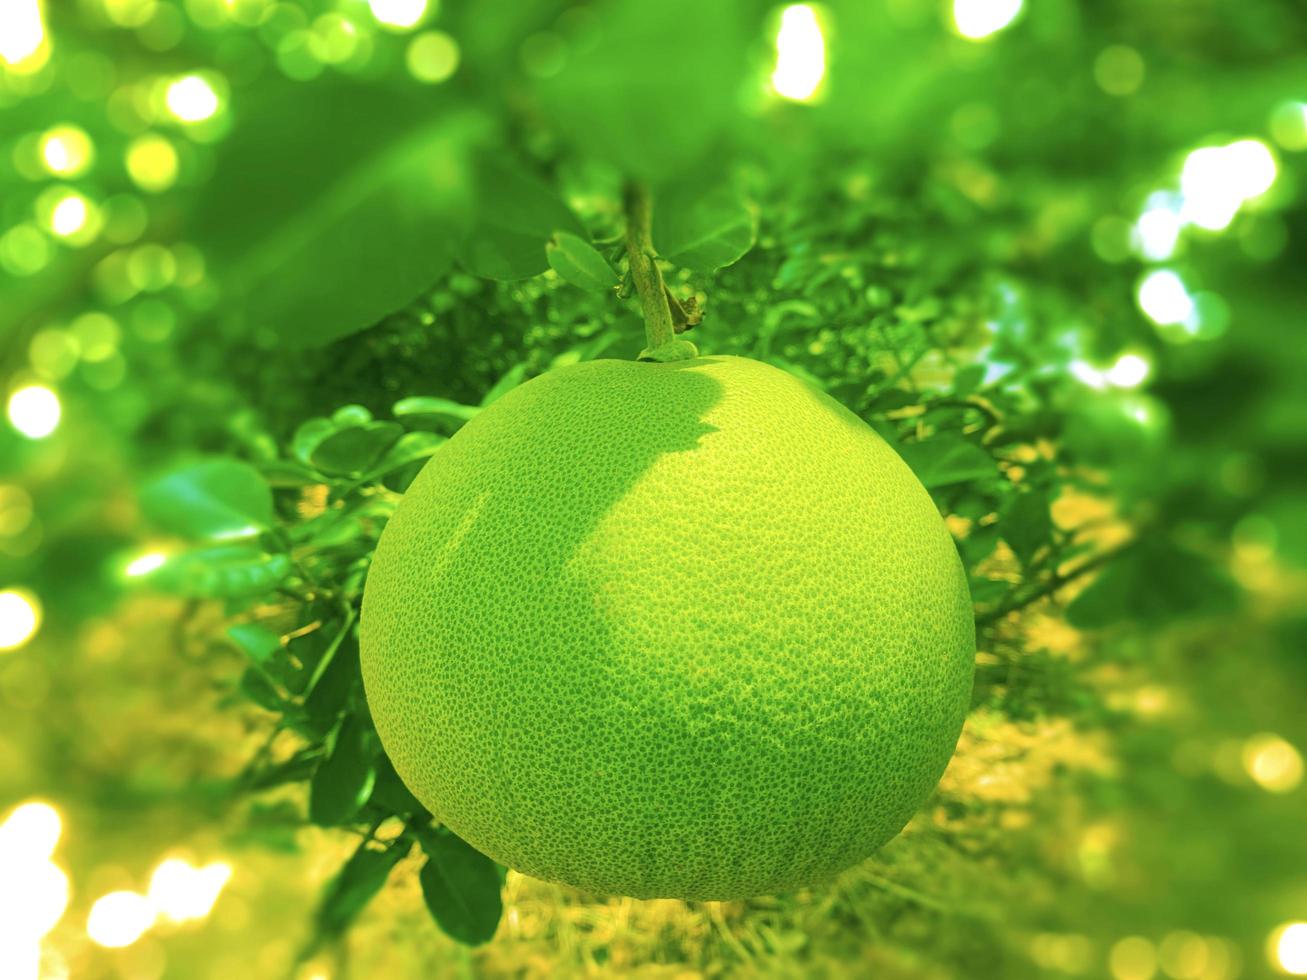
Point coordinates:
[(254, 684), (702, 226), (336, 675), (650, 87), (219, 498), (391, 794), (945, 460), (1154, 582), (351, 415), (516, 216), (412, 447), (979, 544), (352, 217), (224, 572), (354, 886), (461, 887), (510, 380), (576, 261), (354, 448), (259, 644), (1026, 524), (307, 437), (422, 411), (344, 780)]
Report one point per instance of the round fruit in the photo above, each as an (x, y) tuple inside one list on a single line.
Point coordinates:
[(684, 630)]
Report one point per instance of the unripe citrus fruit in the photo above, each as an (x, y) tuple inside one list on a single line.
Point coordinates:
[(683, 630)]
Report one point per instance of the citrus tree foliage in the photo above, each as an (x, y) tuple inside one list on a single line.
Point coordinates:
[(927, 244)]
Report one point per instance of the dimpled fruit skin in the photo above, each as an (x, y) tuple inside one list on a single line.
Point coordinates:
[(684, 630)]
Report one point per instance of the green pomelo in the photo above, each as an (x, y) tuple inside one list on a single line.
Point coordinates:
[(669, 630)]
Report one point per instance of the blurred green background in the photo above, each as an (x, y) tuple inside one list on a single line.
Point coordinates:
[(259, 258)]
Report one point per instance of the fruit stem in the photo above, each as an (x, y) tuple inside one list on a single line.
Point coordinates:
[(659, 330)]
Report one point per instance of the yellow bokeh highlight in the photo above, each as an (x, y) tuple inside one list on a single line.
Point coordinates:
[(192, 99), (119, 918), (34, 891), (432, 57), (69, 215), (800, 54), (143, 565), (978, 19), (398, 14), (152, 163), (24, 47), (1272, 763), (34, 410), (1287, 949), (20, 618), (67, 151), (1132, 958), (181, 892)]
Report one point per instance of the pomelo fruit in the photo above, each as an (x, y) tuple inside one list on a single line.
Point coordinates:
[(688, 629)]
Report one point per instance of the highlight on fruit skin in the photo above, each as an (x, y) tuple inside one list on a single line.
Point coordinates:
[(686, 629)]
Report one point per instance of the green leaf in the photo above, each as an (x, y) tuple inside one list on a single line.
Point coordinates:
[(1154, 582), (308, 436), (412, 447), (391, 794), (254, 684), (1026, 524), (354, 886), (225, 572), (650, 87), (516, 216), (344, 780), (433, 414), (511, 379), (351, 415), (258, 643), (576, 261), (336, 676), (945, 460), (461, 887), (702, 226), (354, 448), (220, 498), (353, 216)]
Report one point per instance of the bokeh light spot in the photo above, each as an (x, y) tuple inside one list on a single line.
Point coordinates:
[(20, 618), (34, 411), (1272, 763), (1163, 297), (119, 919), (152, 163), (24, 251), (1217, 180), (192, 99), (432, 57), (1119, 70), (22, 34), (1129, 371), (1288, 125), (1132, 958), (181, 892), (399, 14), (979, 19), (800, 54), (1288, 948), (66, 150), (143, 565), (69, 215)]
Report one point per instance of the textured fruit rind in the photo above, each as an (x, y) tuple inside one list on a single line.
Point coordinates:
[(669, 630)]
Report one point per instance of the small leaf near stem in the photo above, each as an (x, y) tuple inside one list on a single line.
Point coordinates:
[(659, 328)]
